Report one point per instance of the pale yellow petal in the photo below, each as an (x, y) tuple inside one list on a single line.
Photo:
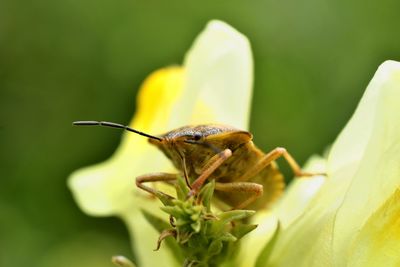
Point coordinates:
[(144, 238), (253, 243), (292, 205), (378, 242), (378, 173), (300, 192), (307, 232), (218, 79)]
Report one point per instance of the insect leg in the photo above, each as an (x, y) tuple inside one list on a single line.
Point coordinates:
[(211, 166), (155, 177), (271, 156), (253, 189)]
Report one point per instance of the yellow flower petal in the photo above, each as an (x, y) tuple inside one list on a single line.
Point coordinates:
[(218, 79), (378, 242), (253, 243), (300, 192), (377, 174), (156, 100)]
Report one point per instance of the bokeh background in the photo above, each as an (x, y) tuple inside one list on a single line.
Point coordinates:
[(66, 60)]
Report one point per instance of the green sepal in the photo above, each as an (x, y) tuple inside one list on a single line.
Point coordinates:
[(229, 216), (195, 217), (233, 215), (173, 210), (158, 223), (241, 229), (181, 222), (167, 200), (196, 226), (182, 189), (214, 248), (217, 244), (206, 194), (227, 237)]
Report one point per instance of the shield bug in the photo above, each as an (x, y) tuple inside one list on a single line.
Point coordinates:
[(245, 177)]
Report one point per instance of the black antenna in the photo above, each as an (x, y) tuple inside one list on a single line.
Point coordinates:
[(114, 125)]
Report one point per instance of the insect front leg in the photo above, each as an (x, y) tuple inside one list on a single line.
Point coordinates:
[(155, 177), (210, 167), (253, 189), (271, 156)]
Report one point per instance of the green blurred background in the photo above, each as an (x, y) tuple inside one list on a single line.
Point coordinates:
[(66, 60)]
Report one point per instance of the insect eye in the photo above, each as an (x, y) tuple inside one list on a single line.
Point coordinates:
[(197, 137)]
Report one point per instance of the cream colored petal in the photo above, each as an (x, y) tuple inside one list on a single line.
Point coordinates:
[(363, 172), (218, 80), (378, 173), (144, 238), (253, 243), (378, 242), (300, 192), (297, 208)]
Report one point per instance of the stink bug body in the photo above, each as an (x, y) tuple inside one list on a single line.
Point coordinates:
[(245, 177)]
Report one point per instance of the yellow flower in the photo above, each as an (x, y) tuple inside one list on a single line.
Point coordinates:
[(218, 67), (354, 219)]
